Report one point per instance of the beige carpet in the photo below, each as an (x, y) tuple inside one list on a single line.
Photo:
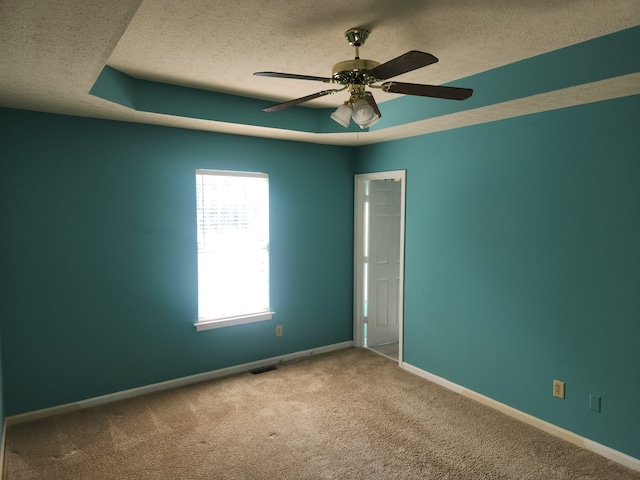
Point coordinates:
[(351, 414)]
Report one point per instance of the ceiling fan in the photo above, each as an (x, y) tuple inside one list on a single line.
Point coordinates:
[(355, 75)]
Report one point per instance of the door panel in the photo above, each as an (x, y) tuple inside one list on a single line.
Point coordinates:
[(384, 261), (382, 303)]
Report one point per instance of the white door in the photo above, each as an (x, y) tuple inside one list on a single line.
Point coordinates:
[(383, 262)]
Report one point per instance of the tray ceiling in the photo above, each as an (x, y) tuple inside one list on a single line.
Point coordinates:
[(53, 52)]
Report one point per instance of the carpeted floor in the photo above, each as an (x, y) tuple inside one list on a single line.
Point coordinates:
[(350, 414)]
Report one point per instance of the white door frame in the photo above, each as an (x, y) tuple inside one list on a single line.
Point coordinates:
[(358, 264)]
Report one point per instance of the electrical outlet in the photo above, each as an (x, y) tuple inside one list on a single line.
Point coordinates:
[(558, 389), (278, 330)]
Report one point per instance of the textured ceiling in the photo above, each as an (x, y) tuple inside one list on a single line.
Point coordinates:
[(52, 52)]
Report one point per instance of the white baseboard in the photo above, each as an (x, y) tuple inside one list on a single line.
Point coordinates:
[(611, 454), (178, 382), (2, 443)]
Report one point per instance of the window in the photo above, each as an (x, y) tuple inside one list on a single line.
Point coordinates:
[(233, 248)]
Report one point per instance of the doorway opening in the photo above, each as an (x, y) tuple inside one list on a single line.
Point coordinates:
[(379, 262)]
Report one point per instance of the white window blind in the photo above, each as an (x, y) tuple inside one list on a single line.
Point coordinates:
[(233, 244)]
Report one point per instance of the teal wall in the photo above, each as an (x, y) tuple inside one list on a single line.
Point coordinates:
[(98, 273), (523, 264)]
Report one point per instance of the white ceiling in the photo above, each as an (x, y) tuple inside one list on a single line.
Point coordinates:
[(52, 52)]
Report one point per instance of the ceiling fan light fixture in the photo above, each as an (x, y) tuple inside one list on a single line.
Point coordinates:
[(363, 114), (357, 74), (342, 115), (371, 123)]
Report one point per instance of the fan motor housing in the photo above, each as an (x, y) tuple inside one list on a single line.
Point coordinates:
[(353, 71)]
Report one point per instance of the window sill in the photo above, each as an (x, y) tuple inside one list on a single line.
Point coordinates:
[(230, 321)]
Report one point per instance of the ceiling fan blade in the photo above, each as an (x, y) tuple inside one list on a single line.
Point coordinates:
[(291, 103), (368, 96), (451, 93), (404, 63), (293, 76)]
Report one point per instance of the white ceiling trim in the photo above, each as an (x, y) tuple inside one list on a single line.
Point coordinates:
[(608, 89), (611, 88)]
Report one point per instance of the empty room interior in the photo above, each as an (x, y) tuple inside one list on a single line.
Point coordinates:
[(518, 247)]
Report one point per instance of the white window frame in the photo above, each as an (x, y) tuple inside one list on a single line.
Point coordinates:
[(244, 318)]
